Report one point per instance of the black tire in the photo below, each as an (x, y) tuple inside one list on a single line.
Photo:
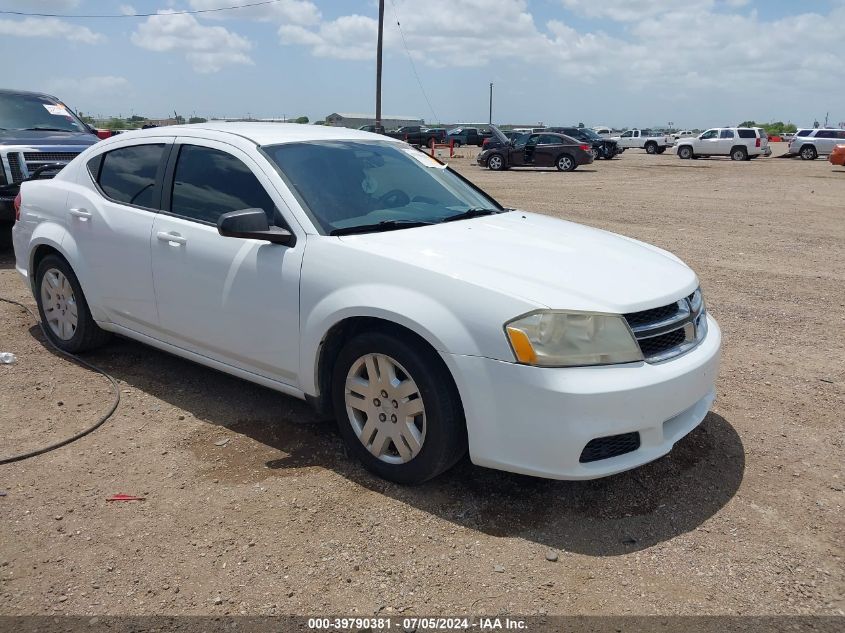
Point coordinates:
[(808, 152), (739, 153), (445, 439), (496, 165), (565, 162), (651, 147), (685, 152), (660, 150), (87, 335), (456, 143)]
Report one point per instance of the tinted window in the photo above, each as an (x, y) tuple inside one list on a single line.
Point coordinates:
[(710, 134), (533, 139), (840, 134), (128, 174), (627, 134), (825, 134), (522, 139), (548, 139), (804, 132), (746, 134), (34, 112), (726, 134), (349, 183), (208, 183)]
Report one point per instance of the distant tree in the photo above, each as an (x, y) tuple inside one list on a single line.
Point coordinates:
[(319, 122), (135, 118), (116, 124), (197, 119), (302, 119), (748, 124)]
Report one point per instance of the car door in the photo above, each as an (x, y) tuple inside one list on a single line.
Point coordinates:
[(516, 151), (708, 143), (826, 140), (626, 140), (547, 150), (529, 149), (726, 142), (111, 211), (234, 300)]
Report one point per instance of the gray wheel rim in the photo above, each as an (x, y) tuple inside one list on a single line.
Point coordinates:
[(495, 162), (385, 408), (59, 304), (738, 155), (685, 152), (594, 153), (565, 163), (807, 152)]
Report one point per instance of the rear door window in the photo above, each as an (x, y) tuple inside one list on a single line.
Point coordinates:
[(548, 139), (804, 132), (746, 134), (726, 134), (128, 174)]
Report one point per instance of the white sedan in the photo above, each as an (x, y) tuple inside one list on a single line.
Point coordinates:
[(354, 271)]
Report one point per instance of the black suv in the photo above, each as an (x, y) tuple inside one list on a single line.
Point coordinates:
[(38, 135), (601, 147)]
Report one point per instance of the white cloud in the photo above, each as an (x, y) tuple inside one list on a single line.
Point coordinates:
[(127, 9), (49, 28), (633, 10), (40, 6), (207, 48), (285, 11), (83, 88)]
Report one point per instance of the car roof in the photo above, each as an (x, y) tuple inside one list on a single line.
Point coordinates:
[(26, 93), (261, 133)]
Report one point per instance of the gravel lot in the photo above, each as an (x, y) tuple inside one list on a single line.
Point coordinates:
[(745, 516)]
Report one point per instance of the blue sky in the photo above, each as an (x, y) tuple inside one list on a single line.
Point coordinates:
[(696, 63)]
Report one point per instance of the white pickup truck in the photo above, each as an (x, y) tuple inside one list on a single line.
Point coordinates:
[(644, 139)]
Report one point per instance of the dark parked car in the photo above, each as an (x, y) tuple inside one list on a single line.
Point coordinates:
[(601, 147), (418, 135), (377, 129), (490, 143), (542, 149), (468, 136), (38, 135)]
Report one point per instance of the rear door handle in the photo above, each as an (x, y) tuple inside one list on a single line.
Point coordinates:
[(80, 213), (172, 238)]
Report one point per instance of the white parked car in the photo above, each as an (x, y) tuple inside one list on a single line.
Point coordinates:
[(740, 143), (809, 144), (651, 142), (682, 134), (352, 270)]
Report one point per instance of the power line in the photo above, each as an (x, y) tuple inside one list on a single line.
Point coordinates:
[(413, 66), (137, 15)]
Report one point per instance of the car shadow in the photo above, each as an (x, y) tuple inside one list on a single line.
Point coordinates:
[(605, 517), (7, 253)]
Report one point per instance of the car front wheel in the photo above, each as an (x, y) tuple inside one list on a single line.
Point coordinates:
[(496, 162), (63, 309), (397, 408), (685, 152), (809, 153)]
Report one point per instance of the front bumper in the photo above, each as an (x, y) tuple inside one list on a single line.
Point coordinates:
[(537, 421)]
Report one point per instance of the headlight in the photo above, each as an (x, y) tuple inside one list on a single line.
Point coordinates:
[(556, 338)]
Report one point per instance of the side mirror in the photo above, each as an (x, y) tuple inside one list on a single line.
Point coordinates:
[(252, 224)]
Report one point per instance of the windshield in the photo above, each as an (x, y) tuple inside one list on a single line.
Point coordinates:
[(32, 112), (342, 184), (590, 134)]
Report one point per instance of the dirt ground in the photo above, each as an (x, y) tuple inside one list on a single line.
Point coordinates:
[(745, 516)]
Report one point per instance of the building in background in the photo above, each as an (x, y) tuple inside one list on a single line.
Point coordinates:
[(346, 119)]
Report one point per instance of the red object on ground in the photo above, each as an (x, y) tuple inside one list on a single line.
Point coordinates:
[(122, 497), (104, 134)]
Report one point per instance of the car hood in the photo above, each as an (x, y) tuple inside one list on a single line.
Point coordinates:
[(552, 263), (34, 138)]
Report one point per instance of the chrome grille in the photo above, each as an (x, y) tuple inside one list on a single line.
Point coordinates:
[(671, 330), (49, 157), (15, 166)]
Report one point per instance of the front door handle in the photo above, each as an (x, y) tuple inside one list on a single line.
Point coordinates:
[(80, 213), (172, 238)]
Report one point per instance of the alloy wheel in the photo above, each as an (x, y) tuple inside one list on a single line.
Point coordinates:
[(565, 163), (385, 408), (59, 304), (495, 162)]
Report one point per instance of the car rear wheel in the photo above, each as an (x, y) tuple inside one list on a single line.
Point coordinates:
[(651, 148), (397, 408), (63, 309), (660, 150), (594, 153), (739, 153), (496, 162), (685, 152), (809, 153), (565, 162)]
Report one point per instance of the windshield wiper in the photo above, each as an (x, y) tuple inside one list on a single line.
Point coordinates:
[(384, 225), (475, 212), (46, 129)]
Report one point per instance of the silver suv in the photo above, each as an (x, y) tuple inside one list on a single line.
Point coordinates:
[(810, 144)]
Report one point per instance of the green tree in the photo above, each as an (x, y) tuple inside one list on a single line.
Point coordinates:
[(197, 119), (302, 119), (116, 124)]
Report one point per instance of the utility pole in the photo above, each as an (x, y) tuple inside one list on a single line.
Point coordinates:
[(378, 63), (490, 121)]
